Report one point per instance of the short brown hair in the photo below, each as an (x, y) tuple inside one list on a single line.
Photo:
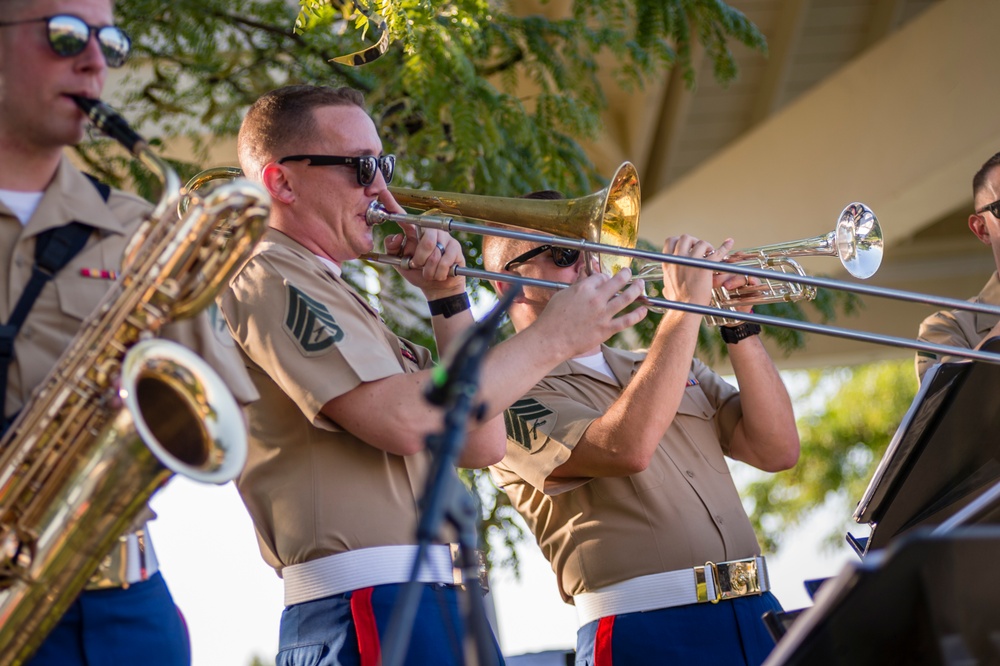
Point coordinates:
[(979, 180), (282, 118)]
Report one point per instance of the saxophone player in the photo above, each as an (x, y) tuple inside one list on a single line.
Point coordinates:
[(70, 232)]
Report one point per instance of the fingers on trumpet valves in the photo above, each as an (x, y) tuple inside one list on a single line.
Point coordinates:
[(695, 247), (733, 281)]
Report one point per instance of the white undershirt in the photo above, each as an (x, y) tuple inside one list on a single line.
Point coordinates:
[(596, 362), (334, 268), (22, 204)]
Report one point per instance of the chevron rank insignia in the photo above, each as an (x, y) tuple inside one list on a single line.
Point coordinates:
[(310, 323), (523, 420)]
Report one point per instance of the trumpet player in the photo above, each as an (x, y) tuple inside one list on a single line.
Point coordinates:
[(50, 50), (961, 328), (617, 462), (337, 458)]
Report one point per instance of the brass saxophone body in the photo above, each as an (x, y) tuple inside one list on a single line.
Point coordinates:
[(121, 411)]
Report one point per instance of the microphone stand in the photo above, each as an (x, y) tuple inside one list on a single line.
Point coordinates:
[(453, 387)]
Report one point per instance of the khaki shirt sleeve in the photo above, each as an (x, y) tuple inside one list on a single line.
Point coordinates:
[(305, 330), (543, 428), (942, 328), (958, 328)]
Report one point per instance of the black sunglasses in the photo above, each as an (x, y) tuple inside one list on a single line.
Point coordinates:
[(69, 35), (562, 257), (366, 165), (994, 208)]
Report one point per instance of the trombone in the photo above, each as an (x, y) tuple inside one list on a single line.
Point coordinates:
[(605, 223)]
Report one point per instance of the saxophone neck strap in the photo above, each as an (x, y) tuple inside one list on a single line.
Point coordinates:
[(54, 248)]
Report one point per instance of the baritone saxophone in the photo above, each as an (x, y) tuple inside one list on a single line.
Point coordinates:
[(122, 411)]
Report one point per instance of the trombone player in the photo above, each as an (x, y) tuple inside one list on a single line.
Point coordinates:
[(337, 456), (616, 460), (961, 328)]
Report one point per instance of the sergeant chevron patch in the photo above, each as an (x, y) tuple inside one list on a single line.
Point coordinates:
[(522, 421), (310, 323)]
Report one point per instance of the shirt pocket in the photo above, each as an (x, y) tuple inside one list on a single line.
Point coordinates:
[(696, 419), (79, 296)]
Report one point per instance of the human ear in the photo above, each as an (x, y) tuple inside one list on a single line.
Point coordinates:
[(978, 226), (275, 180)]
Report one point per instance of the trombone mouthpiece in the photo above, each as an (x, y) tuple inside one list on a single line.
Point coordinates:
[(110, 122), (376, 214)]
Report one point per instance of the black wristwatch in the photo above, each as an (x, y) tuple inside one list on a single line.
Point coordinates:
[(733, 334), (449, 305)]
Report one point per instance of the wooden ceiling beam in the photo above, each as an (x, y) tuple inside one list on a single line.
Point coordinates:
[(780, 49), (884, 18)]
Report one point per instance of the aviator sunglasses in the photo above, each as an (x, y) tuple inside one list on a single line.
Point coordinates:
[(365, 165), (69, 35), (563, 257)]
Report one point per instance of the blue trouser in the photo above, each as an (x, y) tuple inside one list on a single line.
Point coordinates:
[(730, 632), (324, 633), (135, 625)]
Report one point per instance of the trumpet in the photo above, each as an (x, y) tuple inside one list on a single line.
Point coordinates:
[(856, 241)]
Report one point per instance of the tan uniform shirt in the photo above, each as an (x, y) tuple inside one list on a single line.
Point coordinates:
[(312, 488), (70, 296), (680, 512), (957, 328)]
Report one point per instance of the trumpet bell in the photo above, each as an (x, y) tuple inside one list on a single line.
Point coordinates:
[(859, 241)]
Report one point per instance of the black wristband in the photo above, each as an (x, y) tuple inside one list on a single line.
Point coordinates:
[(733, 334), (449, 305)]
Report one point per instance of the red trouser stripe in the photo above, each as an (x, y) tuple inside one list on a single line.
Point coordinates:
[(602, 643), (364, 624)]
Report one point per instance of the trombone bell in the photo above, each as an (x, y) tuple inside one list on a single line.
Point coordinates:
[(609, 216)]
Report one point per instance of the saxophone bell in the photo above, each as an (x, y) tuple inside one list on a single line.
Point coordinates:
[(183, 412)]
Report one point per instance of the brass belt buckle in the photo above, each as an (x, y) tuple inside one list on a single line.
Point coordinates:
[(479, 565), (110, 572), (738, 578), (701, 582)]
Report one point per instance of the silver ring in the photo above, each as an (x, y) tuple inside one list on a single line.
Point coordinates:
[(440, 247)]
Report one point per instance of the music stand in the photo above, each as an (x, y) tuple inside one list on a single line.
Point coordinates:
[(944, 455), (925, 599)]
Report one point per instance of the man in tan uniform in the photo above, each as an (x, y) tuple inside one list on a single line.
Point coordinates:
[(616, 460), (961, 328), (338, 460), (50, 49)]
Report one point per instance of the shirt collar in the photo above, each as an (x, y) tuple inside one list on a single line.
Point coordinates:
[(72, 197), (623, 363)]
